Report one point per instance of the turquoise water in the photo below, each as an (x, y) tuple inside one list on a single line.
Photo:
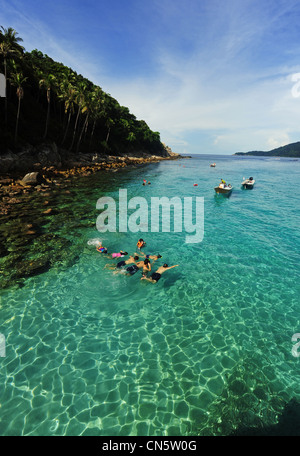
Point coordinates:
[(205, 351)]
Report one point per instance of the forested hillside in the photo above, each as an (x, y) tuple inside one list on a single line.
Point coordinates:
[(290, 150), (46, 100)]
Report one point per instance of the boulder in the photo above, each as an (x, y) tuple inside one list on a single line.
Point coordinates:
[(25, 160), (34, 178), (32, 267), (37, 166), (97, 158), (48, 155), (7, 162)]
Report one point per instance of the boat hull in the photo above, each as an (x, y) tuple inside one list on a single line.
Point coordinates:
[(248, 184), (223, 191)]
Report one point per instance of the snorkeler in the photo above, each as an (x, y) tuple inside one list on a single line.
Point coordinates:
[(146, 267), (120, 254), (154, 278), (140, 264), (151, 257), (141, 243), (123, 263), (101, 249)]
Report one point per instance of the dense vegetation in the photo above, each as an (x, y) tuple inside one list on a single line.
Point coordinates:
[(45, 100), (291, 150)]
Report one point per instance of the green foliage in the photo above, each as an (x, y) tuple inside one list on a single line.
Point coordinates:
[(65, 107), (290, 150)]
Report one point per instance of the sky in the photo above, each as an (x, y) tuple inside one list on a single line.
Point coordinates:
[(212, 76)]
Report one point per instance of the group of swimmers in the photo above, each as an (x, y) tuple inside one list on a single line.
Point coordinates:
[(133, 264)]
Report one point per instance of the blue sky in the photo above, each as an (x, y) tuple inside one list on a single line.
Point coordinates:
[(212, 76)]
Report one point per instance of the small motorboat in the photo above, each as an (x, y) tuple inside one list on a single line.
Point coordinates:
[(248, 183), (224, 188), (212, 165)]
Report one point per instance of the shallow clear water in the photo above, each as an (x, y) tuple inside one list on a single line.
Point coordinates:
[(205, 351)]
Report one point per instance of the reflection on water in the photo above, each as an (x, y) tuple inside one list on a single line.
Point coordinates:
[(206, 350)]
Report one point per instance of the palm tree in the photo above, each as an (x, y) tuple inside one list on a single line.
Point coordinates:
[(85, 108), (48, 82), (96, 108), (9, 45), (17, 80), (89, 107), (80, 100), (131, 137), (67, 93), (109, 123)]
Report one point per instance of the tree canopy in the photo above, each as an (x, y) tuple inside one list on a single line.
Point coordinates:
[(62, 106)]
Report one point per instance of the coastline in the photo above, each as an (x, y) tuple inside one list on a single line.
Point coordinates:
[(48, 167), (29, 215)]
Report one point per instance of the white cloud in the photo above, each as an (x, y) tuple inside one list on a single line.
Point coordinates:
[(278, 140), (217, 88), (247, 115)]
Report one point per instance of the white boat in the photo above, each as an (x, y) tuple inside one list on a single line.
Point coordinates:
[(248, 183), (213, 165), (224, 189)]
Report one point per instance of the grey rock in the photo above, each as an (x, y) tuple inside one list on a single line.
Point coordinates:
[(34, 178)]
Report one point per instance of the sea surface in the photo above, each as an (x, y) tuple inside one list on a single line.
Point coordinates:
[(205, 351)]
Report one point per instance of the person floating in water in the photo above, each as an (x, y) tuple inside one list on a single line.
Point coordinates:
[(121, 264), (154, 278), (140, 244), (146, 267), (151, 257), (101, 249), (120, 254), (145, 264)]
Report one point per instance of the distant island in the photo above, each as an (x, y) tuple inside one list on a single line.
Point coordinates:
[(290, 150)]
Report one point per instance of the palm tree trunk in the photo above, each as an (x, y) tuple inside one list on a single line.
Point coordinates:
[(66, 131), (107, 136), (17, 122), (86, 129), (75, 127), (81, 133), (48, 114), (92, 134)]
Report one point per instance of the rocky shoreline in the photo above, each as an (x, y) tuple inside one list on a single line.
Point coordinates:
[(30, 242), (44, 167), (48, 155)]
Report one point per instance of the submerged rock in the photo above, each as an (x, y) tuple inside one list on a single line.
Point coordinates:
[(31, 232), (48, 211), (29, 268), (3, 251)]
